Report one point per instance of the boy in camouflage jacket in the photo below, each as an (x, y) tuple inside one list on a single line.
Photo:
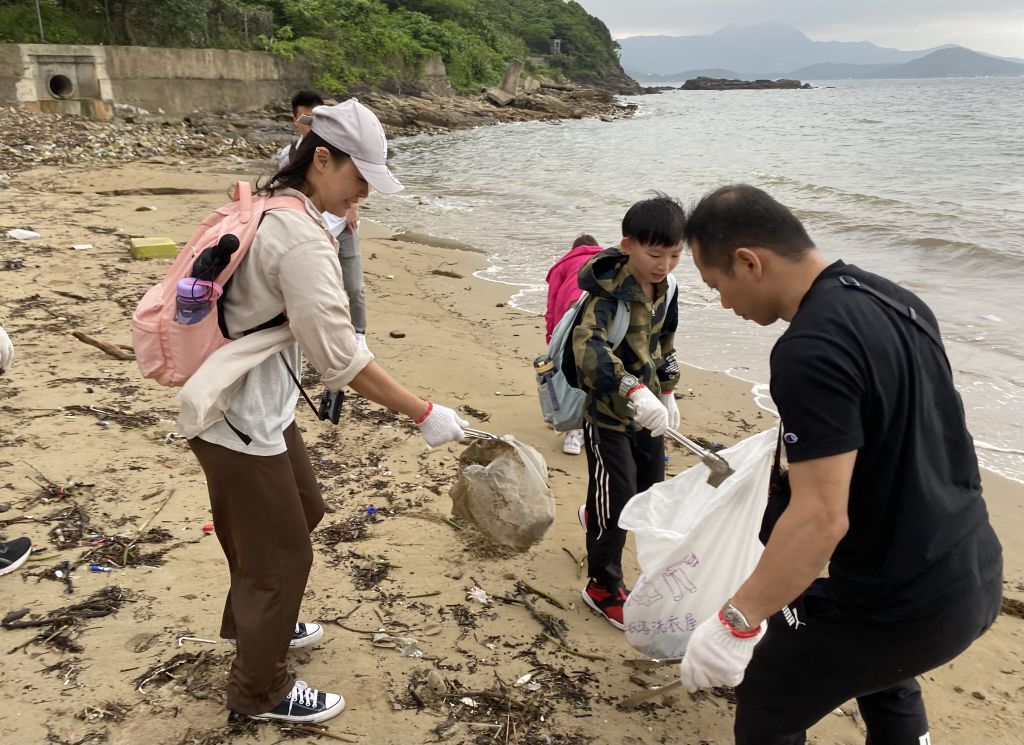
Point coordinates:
[(630, 402)]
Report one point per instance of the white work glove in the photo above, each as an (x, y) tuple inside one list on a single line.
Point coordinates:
[(6, 351), (668, 400), (650, 414), (715, 656), (440, 425)]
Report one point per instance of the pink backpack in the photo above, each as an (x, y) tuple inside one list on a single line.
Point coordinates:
[(170, 352)]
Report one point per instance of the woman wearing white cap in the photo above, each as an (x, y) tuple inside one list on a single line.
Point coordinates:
[(263, 491)]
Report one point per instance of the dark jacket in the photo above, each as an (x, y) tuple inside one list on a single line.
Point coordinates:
[(647, 352)]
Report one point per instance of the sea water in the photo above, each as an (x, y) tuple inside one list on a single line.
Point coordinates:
[(921, 181)]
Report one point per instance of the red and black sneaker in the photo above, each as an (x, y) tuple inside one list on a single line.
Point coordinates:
[(606, 602)]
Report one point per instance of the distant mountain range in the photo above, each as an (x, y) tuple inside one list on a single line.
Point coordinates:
[(774, 50)]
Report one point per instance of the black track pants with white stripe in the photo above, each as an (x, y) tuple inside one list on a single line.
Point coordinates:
[(620, 466)]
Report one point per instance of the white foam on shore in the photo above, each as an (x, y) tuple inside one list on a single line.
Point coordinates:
[(997, 449)]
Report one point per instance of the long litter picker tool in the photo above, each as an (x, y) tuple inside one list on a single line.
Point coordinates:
[(718, 467)]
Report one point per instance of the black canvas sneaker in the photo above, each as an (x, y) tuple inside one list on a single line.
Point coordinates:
[(303, 635), (14, 553), (306, 634), (305, 704)]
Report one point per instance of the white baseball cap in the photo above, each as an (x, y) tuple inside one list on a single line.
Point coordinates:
[(356, 131)]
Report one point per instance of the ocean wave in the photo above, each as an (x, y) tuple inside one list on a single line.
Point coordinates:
[(971, 256), (841, 195)]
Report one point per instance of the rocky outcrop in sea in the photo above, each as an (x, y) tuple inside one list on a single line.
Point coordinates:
[(726, 84)]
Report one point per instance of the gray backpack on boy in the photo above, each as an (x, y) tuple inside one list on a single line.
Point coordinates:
[(561, 402)]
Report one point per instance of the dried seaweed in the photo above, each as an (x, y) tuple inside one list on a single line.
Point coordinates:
[(368, 577), (67, 669), (124, 418), (1012, 607), (111, 711), (59, 573), (72, 526), (90, 738), (122, 551), (202, 675), (348, 530), (61, 626), (505, 712)]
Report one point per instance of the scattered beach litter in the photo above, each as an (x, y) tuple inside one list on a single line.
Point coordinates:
[(408, 646), (19, 234)]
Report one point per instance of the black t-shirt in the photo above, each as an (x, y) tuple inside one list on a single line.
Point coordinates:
[(852, 374)]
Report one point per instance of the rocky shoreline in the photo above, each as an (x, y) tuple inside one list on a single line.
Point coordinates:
[(30, 139), (406, 115)]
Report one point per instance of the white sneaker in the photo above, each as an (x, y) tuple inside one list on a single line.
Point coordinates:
[(305, 704), (573, 443)]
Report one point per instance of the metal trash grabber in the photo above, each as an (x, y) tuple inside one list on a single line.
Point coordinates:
[(633, 701), (718, 467), (478, 434)]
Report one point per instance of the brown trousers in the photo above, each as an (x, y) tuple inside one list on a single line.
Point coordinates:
[(264, 508)]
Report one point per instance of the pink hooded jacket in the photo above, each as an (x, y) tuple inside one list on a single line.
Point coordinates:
[(562, 287)]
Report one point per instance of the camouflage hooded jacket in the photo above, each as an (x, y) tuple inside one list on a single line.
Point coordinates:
[(647, 352)]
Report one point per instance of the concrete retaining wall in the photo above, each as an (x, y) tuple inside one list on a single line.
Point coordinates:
[(91, 80)]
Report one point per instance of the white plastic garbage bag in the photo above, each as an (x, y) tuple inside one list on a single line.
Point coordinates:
[(695, 544)]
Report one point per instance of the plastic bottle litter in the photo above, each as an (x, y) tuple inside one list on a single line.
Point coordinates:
[(99, 568)]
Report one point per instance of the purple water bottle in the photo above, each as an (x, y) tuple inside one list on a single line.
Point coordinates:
[(195, 298)]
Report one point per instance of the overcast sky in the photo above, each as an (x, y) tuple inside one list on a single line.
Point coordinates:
[(993, 26)]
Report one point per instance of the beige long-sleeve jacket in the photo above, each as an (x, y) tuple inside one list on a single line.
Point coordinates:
[(292, 268)]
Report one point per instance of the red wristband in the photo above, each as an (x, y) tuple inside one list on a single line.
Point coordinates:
[(430, 408), (736, 632)]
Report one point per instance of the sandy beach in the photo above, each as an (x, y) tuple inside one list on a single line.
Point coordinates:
[(91, 473)]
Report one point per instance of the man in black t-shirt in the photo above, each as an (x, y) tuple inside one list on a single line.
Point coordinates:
[(884, 486)]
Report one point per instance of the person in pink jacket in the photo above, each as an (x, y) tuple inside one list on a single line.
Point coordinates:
[(563, 290)]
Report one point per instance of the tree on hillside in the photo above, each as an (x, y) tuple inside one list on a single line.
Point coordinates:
[(351, 42)]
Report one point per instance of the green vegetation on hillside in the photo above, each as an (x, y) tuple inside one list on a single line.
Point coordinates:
[(351, 42)]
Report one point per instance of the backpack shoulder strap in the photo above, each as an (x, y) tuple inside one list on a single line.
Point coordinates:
[(620, 325), (904, 310)]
